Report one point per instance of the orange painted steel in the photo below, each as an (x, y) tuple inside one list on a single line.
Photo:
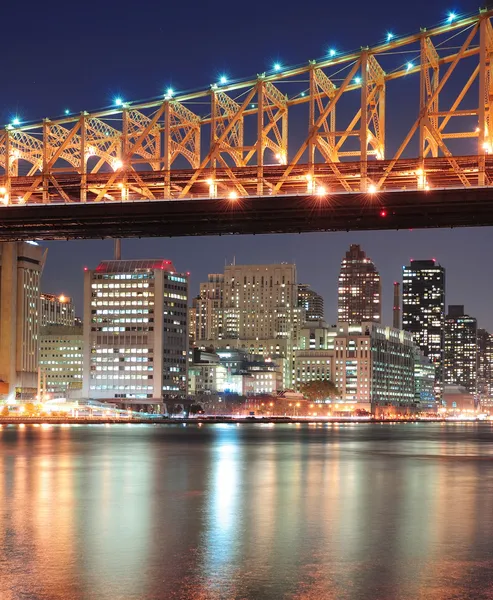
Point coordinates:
[(243, 146)]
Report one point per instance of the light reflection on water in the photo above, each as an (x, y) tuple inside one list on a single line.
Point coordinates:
[(364, 512)]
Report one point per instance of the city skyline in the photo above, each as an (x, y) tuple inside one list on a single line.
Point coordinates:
[(468, 282)]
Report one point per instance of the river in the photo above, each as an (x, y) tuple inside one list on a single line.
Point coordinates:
[(247, 512)]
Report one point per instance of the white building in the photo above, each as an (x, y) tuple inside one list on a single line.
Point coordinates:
[(60, 359), (135, 332)]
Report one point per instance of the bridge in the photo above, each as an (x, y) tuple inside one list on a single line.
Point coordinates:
[(226, 159)]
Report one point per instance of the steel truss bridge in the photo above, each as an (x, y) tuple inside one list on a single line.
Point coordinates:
[(217, 161)]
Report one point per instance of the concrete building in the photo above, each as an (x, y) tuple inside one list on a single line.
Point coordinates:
[(311, 302), (423, 311), (206, 374), (371, 365), (57, 310), (252, 308), (135, 333), (424, 383), (60, 359), (359, 289), (461, 349), (21, 266)]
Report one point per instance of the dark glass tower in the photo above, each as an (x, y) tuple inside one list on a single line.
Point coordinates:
[(312, 302), (423, 310)]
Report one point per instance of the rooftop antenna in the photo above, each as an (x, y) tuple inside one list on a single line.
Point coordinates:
[(118, 249)]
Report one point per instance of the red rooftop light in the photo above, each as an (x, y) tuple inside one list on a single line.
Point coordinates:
[(383, 213)]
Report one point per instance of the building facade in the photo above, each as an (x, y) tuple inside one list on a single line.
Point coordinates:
[(461, 349), (252, 308), (135, 332), (311, 302), (485, 369), (360, 292), (21, 266), (57, 310), (60, 359), (371, 365), (423, 311)]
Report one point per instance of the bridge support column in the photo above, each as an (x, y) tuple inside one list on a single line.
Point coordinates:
[(485, 96), (363, 132), (260, 138), (166, 155)]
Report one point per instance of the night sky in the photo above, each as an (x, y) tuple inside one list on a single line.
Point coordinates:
[(79, 56)]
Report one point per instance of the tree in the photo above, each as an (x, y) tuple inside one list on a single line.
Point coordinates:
[(319, 390), (5, 411)]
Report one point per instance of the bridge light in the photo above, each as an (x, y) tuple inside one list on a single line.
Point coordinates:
[(390, 36), (233, 195), (120, 185), (383, 213), (451, 17), (66, 111), (321, 190), (169, 93), (332, 52), (409, 66), (277, 66), (16, 121), (357, 80), (3, 190), (372, 189), (118, 102), (308, 177), (303, 94), (223, 79), (210, 181), (117, 164)]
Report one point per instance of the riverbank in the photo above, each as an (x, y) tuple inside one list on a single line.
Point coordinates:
[(207, 421)]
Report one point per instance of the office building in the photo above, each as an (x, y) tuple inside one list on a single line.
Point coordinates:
[(424, 383), (311, 302), (371, 365), (254, 308), (461, 349), (484, 385), (60, 360), (423, 311), (135, 333), (21, 266), (359, 289), (57, 310)]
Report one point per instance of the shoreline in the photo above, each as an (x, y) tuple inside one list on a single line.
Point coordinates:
[(214, 421)]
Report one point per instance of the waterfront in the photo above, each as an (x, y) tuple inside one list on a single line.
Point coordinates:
[(253, 511)]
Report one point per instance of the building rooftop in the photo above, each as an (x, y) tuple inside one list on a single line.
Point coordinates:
[(129, 266)]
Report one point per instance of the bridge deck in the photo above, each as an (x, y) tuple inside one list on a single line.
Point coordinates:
[(461, 207)]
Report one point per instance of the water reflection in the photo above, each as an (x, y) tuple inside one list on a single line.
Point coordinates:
[(310, 512)]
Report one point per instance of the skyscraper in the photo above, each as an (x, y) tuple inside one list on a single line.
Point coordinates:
[(312, 302), (484, 384), (20, 276), (60, 359), (135, 332), (254, 307), (423, 310), (359, 288), (461, 349)]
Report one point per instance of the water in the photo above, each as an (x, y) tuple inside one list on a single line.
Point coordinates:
[(348, 512)]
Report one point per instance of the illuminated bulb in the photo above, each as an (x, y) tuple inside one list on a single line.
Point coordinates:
[(233, 196), (383, 213), (170, 92), (409, 66), (372, 189), (427, 188), (210, 181), (321, 191), (419, 172), (302, 94), (277, 67), (67, 112), (16, 121), (332, 52), (308, 177), (120, 185), (357, 80), (223, 79), (278, 156), (451, 17), (117, 164), (5, 199), (390, 36), (478, 130), (118, 102), (3, 190)]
